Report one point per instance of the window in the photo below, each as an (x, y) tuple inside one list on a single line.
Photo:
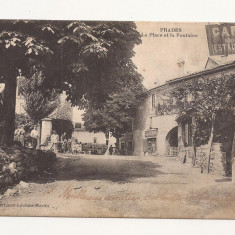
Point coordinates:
[(78, 125), (153, 101)]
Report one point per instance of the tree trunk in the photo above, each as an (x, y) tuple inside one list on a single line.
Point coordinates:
[(39, 134), (208, 156), (9, 104), (193, 141), (117, 144), (194, 150)]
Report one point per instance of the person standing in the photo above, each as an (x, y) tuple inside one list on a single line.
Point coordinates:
[(22, 135), (55, 140), (16, 134), (64, 137), (111, 150), (34, 135)]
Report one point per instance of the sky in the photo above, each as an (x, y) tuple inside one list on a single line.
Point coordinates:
[(156, 58)]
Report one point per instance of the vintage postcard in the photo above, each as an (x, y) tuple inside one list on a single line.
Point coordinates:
[(117, 119)]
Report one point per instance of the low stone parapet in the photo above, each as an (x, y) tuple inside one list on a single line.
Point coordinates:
[(19, 163), (217, 163)]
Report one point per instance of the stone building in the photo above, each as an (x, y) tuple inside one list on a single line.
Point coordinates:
[(85, 136), (157, 130)]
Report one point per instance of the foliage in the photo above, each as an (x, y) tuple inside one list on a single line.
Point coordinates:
[(166, 108), (88, 60), (97, 60), (210, 100), (19, 49), (61, 126), (116, 114), (23, 119), (39, 102)]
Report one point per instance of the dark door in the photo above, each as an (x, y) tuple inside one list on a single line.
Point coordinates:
[(151, 146)]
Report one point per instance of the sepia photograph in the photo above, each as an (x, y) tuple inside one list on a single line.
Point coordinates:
[(117, 119)]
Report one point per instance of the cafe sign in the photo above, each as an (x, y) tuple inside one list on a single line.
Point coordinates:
[(151, 133), (221, 39)]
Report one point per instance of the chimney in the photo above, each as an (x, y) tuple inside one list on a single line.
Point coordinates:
[(180, 65)]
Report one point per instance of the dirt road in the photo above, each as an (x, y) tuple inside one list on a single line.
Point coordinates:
[(118, 186)]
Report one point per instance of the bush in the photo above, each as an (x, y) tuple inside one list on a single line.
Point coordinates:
[(61, 126), (23, 119)]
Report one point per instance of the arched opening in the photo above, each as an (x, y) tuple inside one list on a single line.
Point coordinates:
[(172, 142)]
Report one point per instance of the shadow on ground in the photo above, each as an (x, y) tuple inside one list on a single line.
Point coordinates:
[(223, 180), (114, 170)]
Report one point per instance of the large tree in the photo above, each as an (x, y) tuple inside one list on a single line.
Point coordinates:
[(116, 114), (210, 101), (16, 48), (88, 60)]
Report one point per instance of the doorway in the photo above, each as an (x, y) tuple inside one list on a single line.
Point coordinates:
[(172, 142), (151, 146)]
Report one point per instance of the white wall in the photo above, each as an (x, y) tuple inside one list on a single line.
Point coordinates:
[(77, 115), (164, 124), (20, 102), (88, 137)]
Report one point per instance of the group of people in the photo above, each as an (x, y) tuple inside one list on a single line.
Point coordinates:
[(63, 144), (20, 136)]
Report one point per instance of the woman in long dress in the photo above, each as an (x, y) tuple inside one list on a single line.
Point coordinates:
[(55, 141), (22, 135)]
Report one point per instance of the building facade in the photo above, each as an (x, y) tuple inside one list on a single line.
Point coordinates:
[(157, 130), (85, 136)]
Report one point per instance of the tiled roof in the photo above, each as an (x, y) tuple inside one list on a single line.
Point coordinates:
[(220, 67)]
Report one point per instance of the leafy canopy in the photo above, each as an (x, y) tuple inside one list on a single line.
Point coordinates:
[(117, 112), (39, 102), (86, 59), (209, 100)]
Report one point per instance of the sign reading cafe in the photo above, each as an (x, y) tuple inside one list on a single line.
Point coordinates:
[(221, 39)]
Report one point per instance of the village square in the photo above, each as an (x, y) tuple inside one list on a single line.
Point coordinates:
[(99, 120)]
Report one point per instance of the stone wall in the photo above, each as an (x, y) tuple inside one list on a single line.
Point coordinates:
[(217, 165), (19, 163)]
